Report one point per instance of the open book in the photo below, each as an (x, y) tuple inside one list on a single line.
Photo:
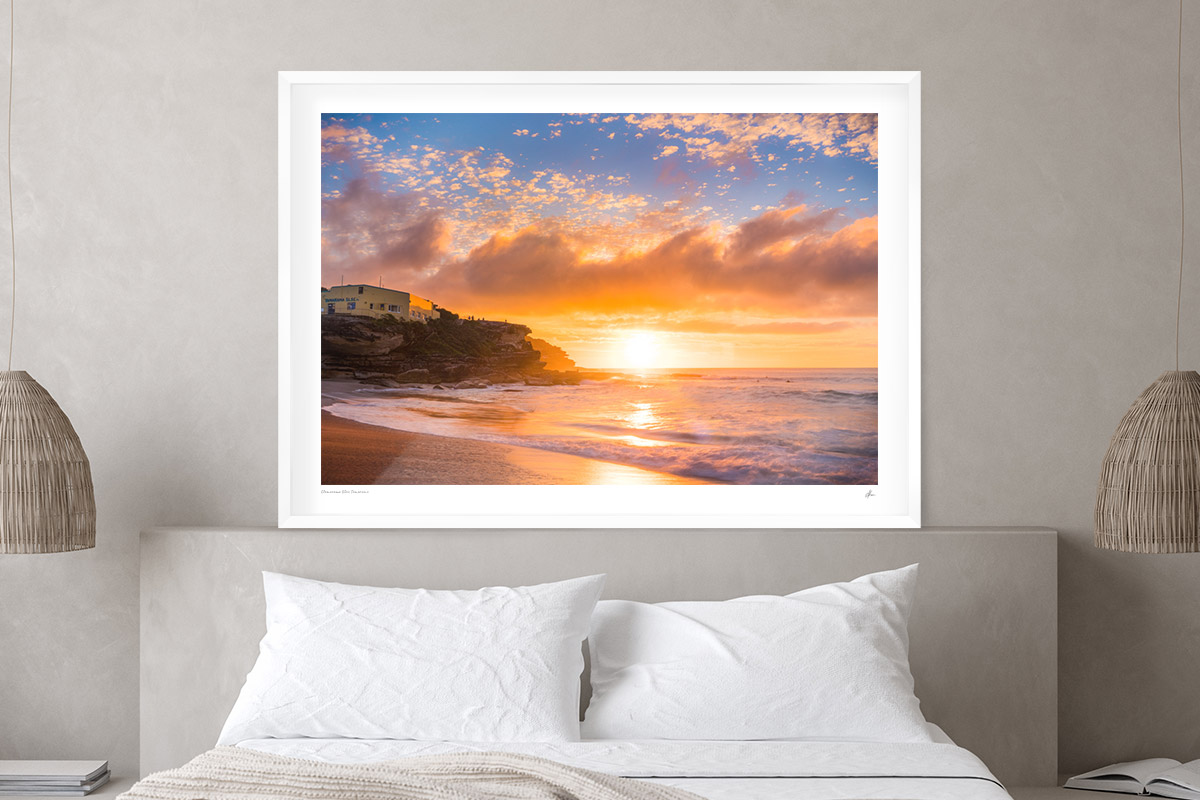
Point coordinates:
[(1164, 777)]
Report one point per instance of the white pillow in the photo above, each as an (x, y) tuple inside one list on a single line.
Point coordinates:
[(338, 661), (826, 663)]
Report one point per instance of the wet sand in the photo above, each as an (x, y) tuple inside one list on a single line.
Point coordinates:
[(356, 454)]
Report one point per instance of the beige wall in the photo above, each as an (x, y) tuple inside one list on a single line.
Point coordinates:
[(145, 169)]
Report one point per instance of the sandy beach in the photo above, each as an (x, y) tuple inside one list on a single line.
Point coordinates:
[(356, 454)]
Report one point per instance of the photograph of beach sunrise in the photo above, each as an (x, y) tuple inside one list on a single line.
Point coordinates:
[(605, 298)]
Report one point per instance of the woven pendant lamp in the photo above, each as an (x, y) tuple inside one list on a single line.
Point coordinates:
[(1148, 500), (1149, 495), (46, 499)]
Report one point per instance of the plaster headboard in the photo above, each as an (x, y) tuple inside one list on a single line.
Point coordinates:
[(983, 629)]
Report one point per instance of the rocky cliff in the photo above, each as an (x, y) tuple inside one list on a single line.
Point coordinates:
[(447, 351), (553, 356)]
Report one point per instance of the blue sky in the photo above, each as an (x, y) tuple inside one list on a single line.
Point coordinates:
[(604, 145)]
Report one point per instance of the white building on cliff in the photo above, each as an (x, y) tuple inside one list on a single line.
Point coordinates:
[(364, 300)]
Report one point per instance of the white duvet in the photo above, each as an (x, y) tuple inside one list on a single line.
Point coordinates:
[(771, 770)]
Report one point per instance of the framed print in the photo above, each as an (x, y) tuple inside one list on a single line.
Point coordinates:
[(599, 299)]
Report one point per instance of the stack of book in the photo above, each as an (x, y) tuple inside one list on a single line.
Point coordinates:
[(52, 778)]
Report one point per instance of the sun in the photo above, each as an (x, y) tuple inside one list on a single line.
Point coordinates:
[(641, 350)]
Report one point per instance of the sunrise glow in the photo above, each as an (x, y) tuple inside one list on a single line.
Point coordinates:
[(635, 241), (641, 350)]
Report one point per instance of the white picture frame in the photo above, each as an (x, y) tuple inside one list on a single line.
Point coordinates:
[(894, 502)]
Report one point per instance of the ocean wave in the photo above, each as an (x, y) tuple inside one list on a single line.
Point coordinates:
[(833, 395), (729, 465), (371, 395), (682, 437), (792, 376)]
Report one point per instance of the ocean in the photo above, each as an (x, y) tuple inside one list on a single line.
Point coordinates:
[(738, 426)]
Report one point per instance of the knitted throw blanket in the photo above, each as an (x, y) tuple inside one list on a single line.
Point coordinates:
[(235, 773)]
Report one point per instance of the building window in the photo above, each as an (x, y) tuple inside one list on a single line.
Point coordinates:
[(350, 305), (360, 290)]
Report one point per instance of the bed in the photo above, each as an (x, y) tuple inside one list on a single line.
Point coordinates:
[(983, 643), (723, 770)]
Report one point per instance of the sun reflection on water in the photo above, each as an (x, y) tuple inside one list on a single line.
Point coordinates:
[(642, 416)]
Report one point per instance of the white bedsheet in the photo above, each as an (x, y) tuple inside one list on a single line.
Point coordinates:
[(722, 770)]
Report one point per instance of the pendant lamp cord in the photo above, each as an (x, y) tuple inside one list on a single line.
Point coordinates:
[(1182, 210), (12, 226)]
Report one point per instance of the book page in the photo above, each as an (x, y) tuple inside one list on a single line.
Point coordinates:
[(1185, 775), (1141, 771)]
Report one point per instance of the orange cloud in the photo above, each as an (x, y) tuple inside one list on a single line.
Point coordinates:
[(773, 226), (783, 262)]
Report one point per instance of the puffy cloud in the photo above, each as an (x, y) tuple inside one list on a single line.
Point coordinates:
[(367, 233), (838, 273), (775, 225), (723, 138), (336, 132), (782, 262), (339, 143)]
